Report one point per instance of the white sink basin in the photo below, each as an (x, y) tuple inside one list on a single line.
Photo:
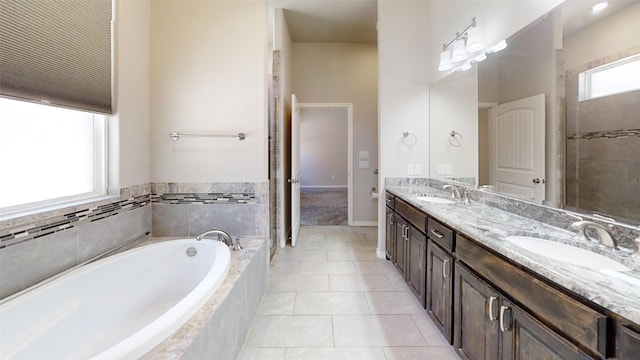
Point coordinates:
[(436, 200), (566, 253)]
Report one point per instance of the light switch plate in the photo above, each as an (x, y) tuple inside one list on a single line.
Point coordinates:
[(410, 169), (449, 169), (417, 169)]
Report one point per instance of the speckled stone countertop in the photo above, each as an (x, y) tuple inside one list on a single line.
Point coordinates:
[(619, 292)]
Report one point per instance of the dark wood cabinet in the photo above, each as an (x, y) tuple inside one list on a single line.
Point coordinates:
[(628, 343), (525, 338), (439, 288), (476, 317), (390, 235), (416, 263), (401, 245)]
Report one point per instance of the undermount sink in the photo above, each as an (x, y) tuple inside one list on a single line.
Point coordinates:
[(566, 253), (435, 200)]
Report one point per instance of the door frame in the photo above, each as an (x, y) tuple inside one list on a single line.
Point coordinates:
[(349, 108)]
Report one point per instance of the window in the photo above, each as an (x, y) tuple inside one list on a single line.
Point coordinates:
[(609, 79), (49, 155)]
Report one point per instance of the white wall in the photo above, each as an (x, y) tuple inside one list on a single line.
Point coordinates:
[(323, 147), (454, 107), (129, 128), (345, 73), (609, 36), (208, 74)]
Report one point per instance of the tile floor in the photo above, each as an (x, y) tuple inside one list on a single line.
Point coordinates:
[(330, 297)]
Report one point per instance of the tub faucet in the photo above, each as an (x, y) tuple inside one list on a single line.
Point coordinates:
[(602, 233), (222, 236)]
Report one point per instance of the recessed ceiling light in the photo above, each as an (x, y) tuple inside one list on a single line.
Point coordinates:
[(599, 6)]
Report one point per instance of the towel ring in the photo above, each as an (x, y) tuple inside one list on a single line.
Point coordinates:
[(407, 139), (456, 139)]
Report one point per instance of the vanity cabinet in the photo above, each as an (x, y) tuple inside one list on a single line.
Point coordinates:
[(628, 343), (489, 326), (439, 288), (390, 235), (400, 234), (416, 263)]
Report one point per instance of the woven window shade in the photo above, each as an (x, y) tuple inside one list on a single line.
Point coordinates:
[(57, 52)]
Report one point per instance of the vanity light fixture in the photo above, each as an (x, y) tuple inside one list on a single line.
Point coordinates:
[(497, 47), (466, 47), (599, 7)]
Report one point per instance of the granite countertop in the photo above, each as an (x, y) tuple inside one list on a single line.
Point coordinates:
[(618, 292)]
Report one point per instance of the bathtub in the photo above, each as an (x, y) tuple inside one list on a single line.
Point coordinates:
[(116, 308)]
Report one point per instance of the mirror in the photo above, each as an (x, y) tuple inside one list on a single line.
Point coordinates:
[(585, 156)]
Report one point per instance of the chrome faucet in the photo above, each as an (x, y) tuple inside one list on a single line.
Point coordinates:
[(487, 188), (222, 236), (458, 193), (602, 233)]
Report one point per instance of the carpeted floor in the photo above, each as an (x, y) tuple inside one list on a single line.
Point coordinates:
[(323, 206)]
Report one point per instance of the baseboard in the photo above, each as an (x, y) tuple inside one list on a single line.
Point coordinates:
[(381, 254), (364, 223)]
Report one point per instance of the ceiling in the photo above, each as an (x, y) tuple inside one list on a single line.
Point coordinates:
[(576, 14), (330, 20)]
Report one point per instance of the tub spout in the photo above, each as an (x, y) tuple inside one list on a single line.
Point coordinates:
[(222, 236)]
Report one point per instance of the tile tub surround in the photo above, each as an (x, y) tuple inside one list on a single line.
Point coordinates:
[(618, 293), (188, 209), (36, 247), (219, 328)]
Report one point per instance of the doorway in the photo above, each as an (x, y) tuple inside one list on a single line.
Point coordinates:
[(325, 163)]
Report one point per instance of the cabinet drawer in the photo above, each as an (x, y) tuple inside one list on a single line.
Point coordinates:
[(416, 217), (628, 343), (390, 200), (440, 234), (556, 309)]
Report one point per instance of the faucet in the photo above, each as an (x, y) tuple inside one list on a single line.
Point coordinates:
[(487, 188), (602, 233), (222, 236), (458, 193)]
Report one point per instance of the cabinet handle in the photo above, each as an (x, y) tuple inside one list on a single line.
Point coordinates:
[(502, 310), (437, 233), (390, 219), (491, 300), (444, 268), (406, 237)]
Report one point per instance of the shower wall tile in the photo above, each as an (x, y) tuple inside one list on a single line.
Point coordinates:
[(236, 219), (169, 220)]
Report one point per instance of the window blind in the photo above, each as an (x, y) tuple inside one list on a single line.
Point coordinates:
[(57, 52)]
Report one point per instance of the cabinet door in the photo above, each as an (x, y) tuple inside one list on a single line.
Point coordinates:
[(439, 288), (628, 343), (525, 338), (416, 263), (400, 258), (390, 236), (476, 314)]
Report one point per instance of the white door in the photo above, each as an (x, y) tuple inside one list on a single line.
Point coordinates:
[(295, 169), (517, 143)]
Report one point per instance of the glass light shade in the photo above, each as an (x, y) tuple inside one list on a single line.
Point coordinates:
[(477, 57), (458, 54), (497, 47), (599, 7), (445, 61), (465, 66), (474, 40)]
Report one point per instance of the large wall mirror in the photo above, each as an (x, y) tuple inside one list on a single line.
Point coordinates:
[(556, 116)]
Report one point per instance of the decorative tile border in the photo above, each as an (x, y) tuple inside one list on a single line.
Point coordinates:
[(613, 134), (206, 198), (70, 220)]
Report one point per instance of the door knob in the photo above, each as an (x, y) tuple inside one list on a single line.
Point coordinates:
[(537, 181)]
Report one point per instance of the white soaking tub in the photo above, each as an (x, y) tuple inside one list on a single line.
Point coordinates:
[(116, 308)]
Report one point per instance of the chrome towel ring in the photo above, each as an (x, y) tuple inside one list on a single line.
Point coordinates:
[(409, 139), (455, 139)]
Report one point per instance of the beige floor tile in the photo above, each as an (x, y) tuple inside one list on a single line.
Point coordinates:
[(290, 331), (429, 330), (352, 255), (277, 303), (376, 330), (345, 236), (312, 237), (352, 353), (289, 256), (297, 283), (248, 353), (375, 267), (363, 245), (326, 245), (413, 353), (360, 283), (314, 267), (330, 303), (393, 303)]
